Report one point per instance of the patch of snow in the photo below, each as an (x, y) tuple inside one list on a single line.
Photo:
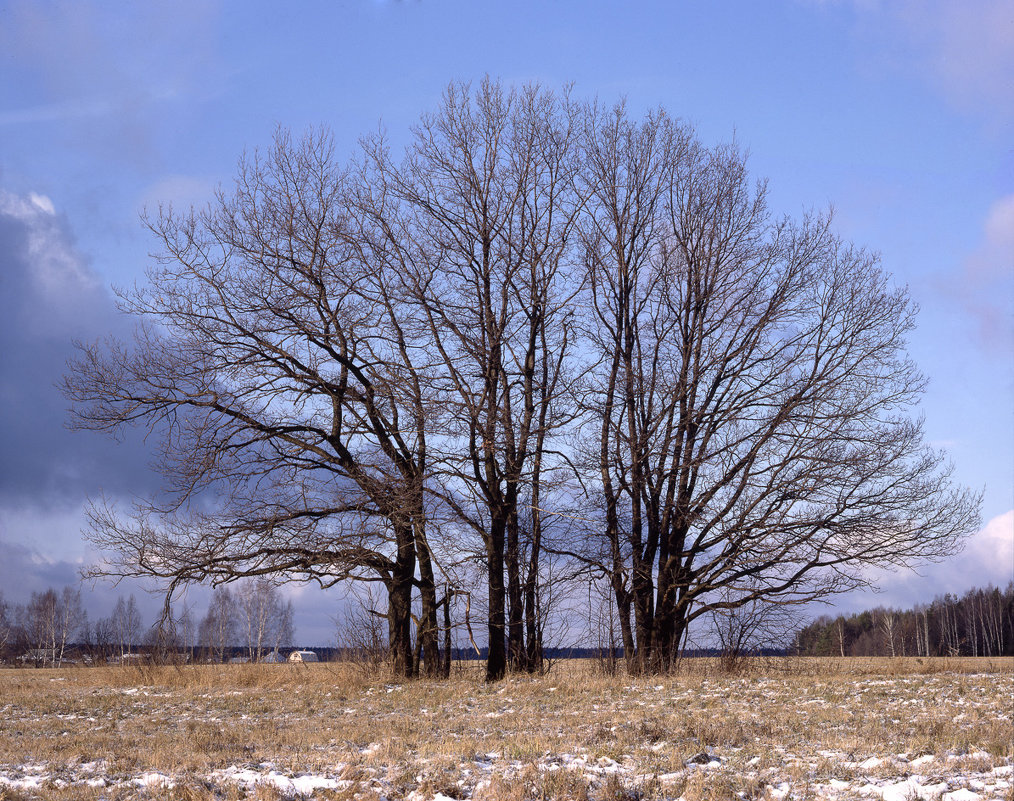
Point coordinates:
[(304, 784), (906, 790), (154, 779), (963, 794)]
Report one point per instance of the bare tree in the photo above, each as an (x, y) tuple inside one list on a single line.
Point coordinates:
[(359, 632), (754, 442), (71, 618), (342, 359), (6, 624), (272, 360), (477, 221), (187, 633), (104, 638), (125, 624), (265, 620), (50, 620), (745, 630), (887, 620), (39, 621), (218, 628)]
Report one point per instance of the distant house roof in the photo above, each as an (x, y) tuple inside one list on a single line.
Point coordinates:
[(273, 657), (303, 656)]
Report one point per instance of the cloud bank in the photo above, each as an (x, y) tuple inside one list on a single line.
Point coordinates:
[(50, 297), (987, 559), (987, 281)]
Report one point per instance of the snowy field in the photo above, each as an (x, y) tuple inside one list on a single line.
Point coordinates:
[(786, 730)]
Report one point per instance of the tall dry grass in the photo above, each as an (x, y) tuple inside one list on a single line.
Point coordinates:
[(394, 738)]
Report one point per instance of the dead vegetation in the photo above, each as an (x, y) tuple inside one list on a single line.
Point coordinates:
[(780, 728)]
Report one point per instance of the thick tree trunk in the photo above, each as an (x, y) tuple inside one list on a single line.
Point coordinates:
[(496, 661), (626, 632), (642, 596), (516, 655), (429, 632), (399, 618), (533, 612), (400, 605)]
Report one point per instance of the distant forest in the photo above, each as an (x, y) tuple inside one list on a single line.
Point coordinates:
[(979, 623)]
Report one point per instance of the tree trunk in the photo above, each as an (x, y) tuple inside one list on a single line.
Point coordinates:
[(533, 613), (429, 632), (496, 661), (400, 606), (447, 632), (516, 655)]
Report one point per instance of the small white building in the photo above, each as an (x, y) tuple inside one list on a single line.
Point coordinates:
[(303, 656), (273, 658)]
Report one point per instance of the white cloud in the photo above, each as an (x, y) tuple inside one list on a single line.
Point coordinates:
[(42, 203), (56, 271), (24, 208), (965, 48), (987, 559), (986, 287), (991, 551)]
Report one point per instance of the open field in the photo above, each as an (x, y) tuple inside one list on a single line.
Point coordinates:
[(892, 729)]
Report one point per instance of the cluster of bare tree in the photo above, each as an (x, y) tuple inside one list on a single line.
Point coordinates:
[(550, 342), (119, 635), (979, 623), (42, 632), (254, 616)]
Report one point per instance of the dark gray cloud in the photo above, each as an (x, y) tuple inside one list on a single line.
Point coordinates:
[(25, 569), (49, 297)]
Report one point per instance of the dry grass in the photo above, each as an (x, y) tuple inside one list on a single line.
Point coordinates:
[(572, 734)]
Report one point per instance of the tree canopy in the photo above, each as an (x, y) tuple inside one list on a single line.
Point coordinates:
[(550, 342)]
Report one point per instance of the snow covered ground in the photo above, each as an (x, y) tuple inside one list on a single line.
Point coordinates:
[(943, 736), (898, 778)]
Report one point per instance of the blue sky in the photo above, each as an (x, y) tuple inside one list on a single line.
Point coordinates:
[(899, 114)]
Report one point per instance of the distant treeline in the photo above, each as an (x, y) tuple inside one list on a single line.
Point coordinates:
[(979, 623), (53, 628)]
